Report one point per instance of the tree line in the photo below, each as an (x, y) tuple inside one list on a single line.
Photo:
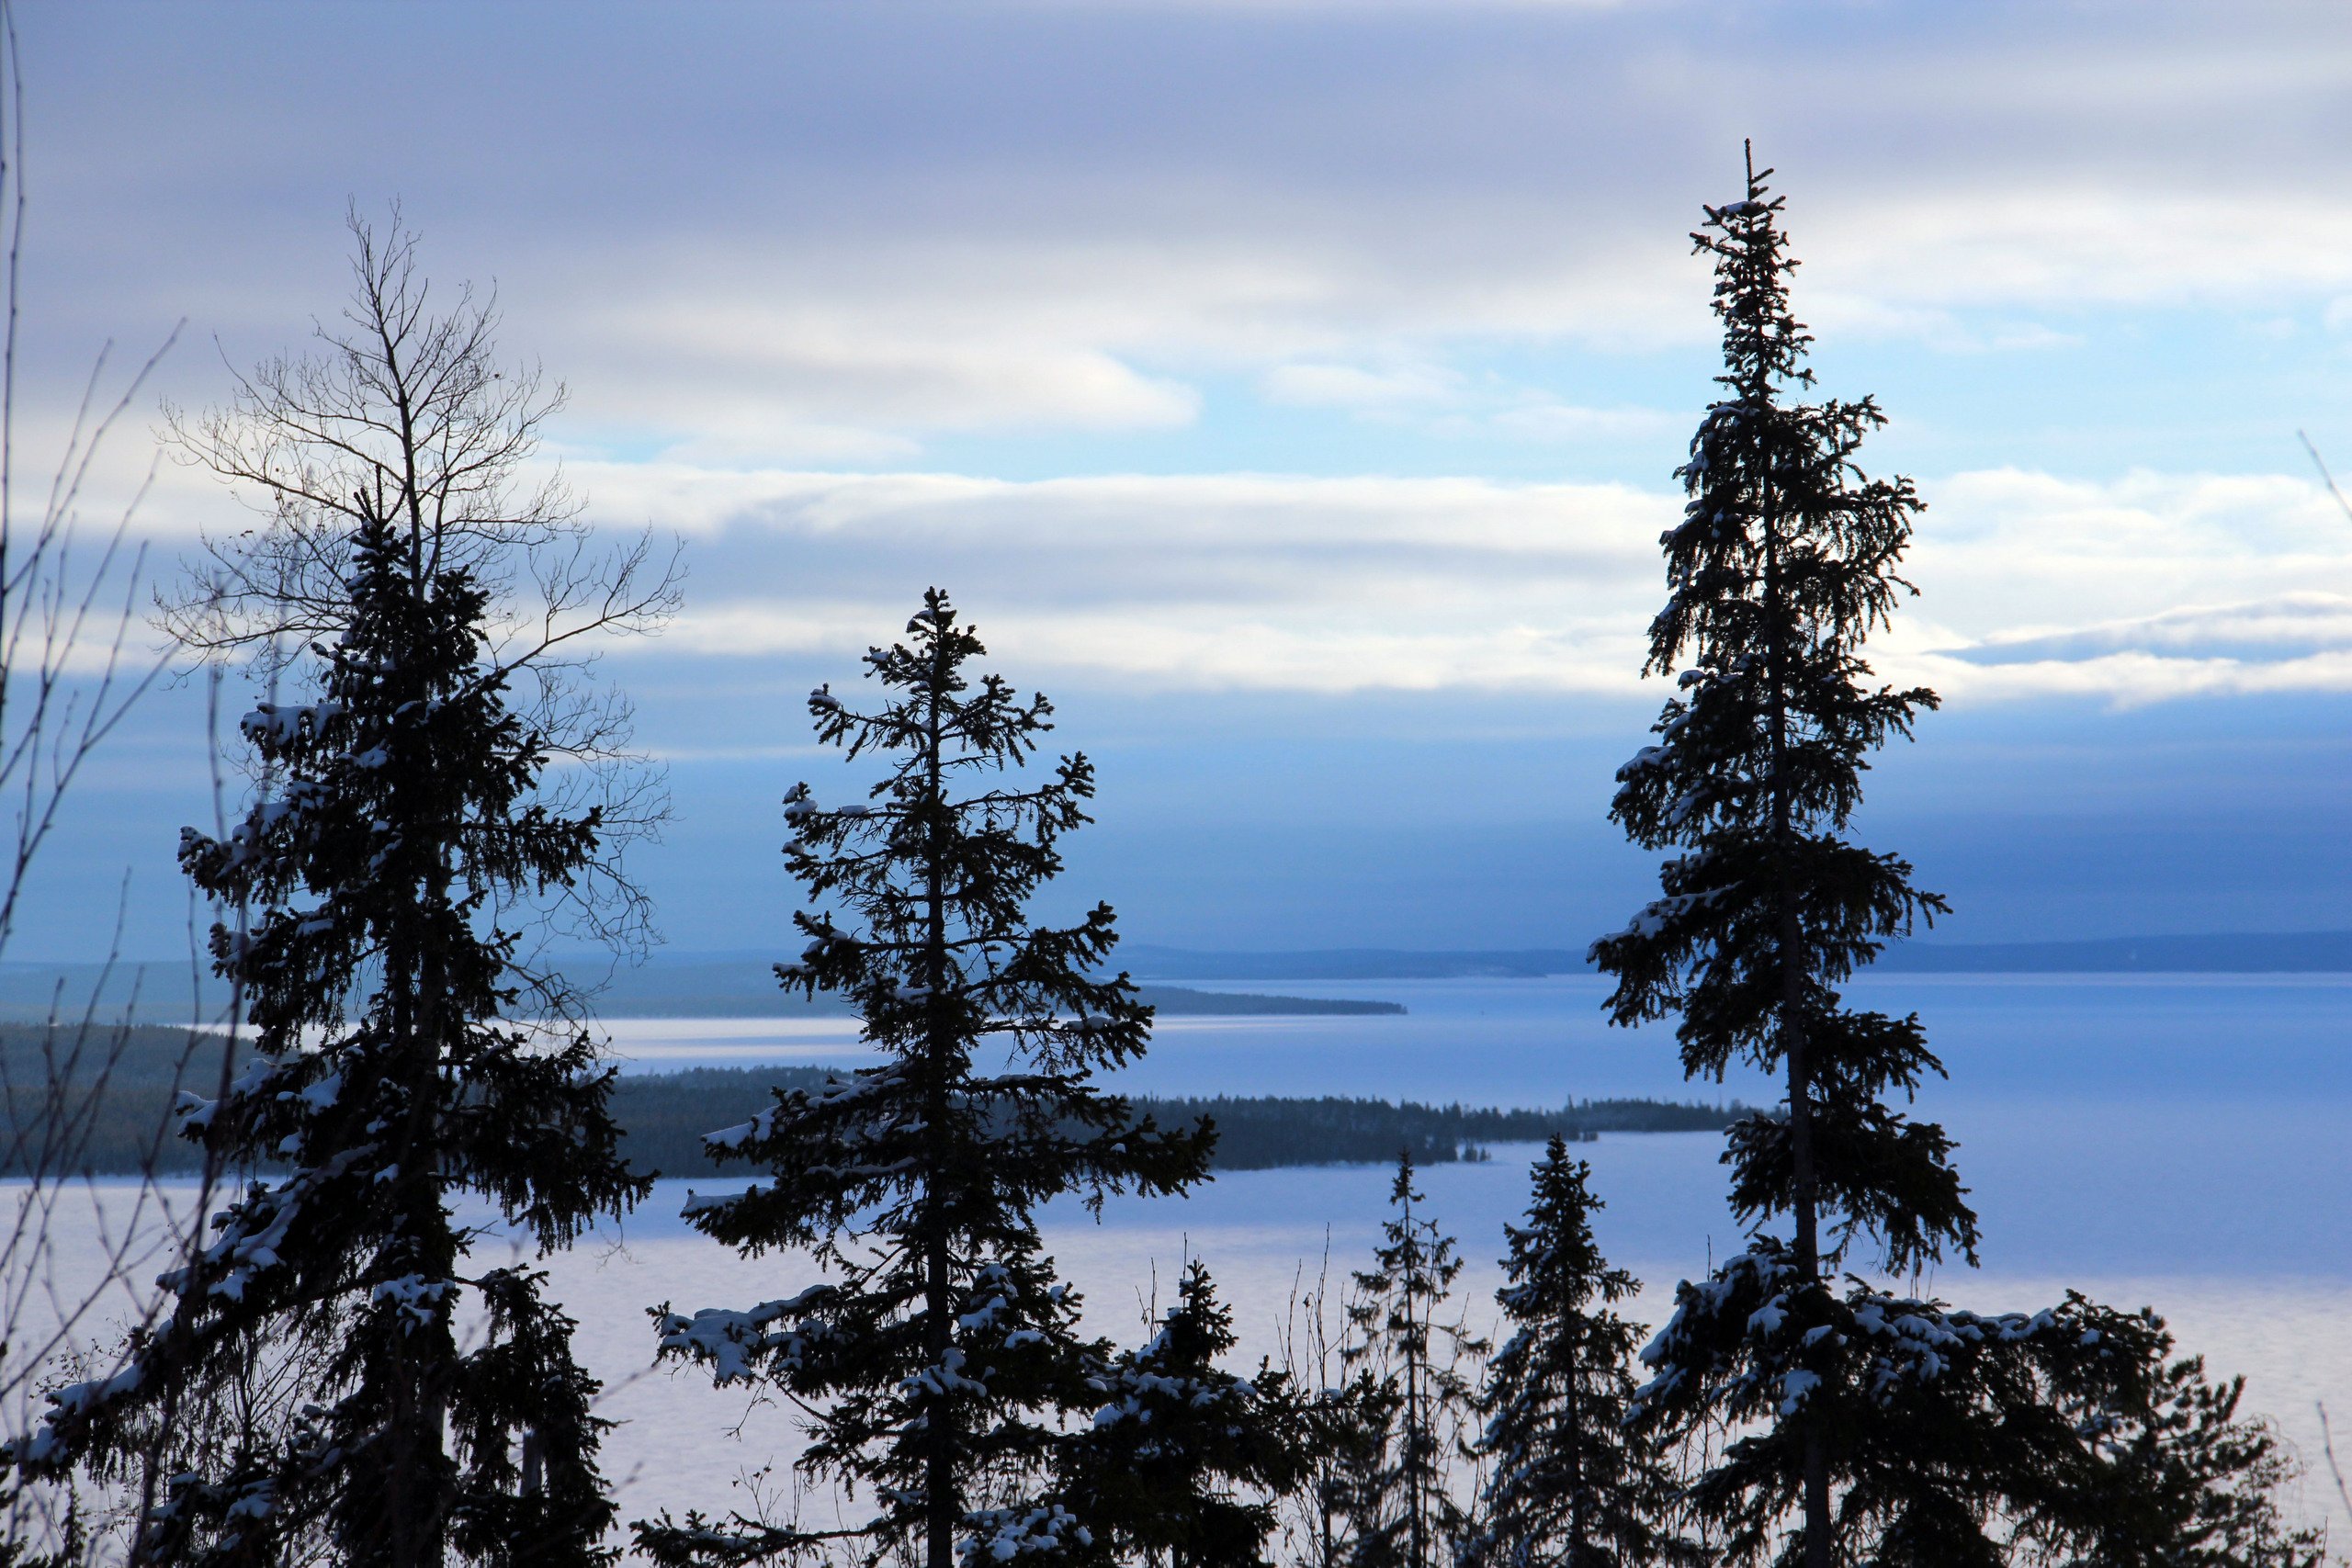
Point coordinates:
[(445, 783), (129, 1107)]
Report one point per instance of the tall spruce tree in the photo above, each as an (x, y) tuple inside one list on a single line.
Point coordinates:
[(1864, 1425), (1182, 1462), (940, 1358), (1567, 1484), (402, 828), (1409, 1506)]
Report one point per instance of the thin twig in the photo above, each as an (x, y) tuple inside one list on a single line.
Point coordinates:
[(2327, 1448), (2320, 464)]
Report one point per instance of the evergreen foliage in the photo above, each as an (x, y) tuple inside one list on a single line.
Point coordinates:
[(940, 1357), (1181, 1463), (1566, 1482), (1409, 1508), (2180, 1478), (1846, 1423), (1787, 557), (306, 1392), (405, 819)]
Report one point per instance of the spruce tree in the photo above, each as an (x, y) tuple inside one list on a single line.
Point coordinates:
[(1567, 1484), (1865, 1424), (1408, 1505), (1182, 1462), (940, 1356), (407, 1062), (405, 810), (2179, 1478)]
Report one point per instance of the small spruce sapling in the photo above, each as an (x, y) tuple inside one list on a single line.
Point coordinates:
[(2179, 1477), (1183, 1460), (940, 1358), (1568, 1484), (1409, 1507)]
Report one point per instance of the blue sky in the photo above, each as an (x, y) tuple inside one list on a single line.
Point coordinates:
[(1293, 390)]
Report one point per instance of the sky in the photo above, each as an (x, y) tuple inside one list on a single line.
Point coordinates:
[(1294, 391)]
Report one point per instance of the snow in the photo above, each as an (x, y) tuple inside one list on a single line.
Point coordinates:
[(419, 1300), (999, 1535), (733, 1343), (278, 724), (195, 1112), (754, 1131)]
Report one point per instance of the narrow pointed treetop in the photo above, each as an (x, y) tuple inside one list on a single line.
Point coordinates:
[(1785, 560), (939, 1356), (1566, 1482), (1854, 1434), (1410, 1508)]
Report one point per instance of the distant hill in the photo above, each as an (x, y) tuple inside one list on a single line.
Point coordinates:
[(684, 985), (739, 984), (1148, 963), (2287, 952), (2223, 953)]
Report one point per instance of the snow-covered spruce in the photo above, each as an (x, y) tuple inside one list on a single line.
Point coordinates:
[(1861, 1427), (2065, 1435), (306, 1393), (940, 1361), (1409, 1509), (1786, 559), (1566, 1482), (1181, 1462)]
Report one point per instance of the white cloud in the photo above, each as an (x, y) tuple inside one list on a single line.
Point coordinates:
[(2150, 587), (1353, 387), (838, 240)]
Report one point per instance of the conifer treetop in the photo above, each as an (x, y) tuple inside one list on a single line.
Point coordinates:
[(939, 1360)]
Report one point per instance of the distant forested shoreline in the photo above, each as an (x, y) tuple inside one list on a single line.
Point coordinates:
[(109, 1100), (667, 1113), (728, 985)]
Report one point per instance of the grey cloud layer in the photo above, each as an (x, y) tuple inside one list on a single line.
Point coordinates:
[(822, 232), (2031, 586), (762, 240)]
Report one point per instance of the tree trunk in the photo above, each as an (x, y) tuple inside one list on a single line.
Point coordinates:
[(939, 1481), (1806, 1198)]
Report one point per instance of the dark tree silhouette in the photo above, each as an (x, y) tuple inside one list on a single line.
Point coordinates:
[(2179, 1478), (1872, 1425), (1181, 1463), (1566, 1482), (1408, 1505), (939, 1360), (401, 829)]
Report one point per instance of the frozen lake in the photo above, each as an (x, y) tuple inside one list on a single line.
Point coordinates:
[(2173, 1141), (2177, 1140)]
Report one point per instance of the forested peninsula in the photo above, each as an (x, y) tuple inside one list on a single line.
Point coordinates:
[(111, 1095)]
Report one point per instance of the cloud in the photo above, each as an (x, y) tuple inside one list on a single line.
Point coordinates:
[(1353, 387), (2032, 586), (2289, 627), (1204, 581), (810, 235)]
